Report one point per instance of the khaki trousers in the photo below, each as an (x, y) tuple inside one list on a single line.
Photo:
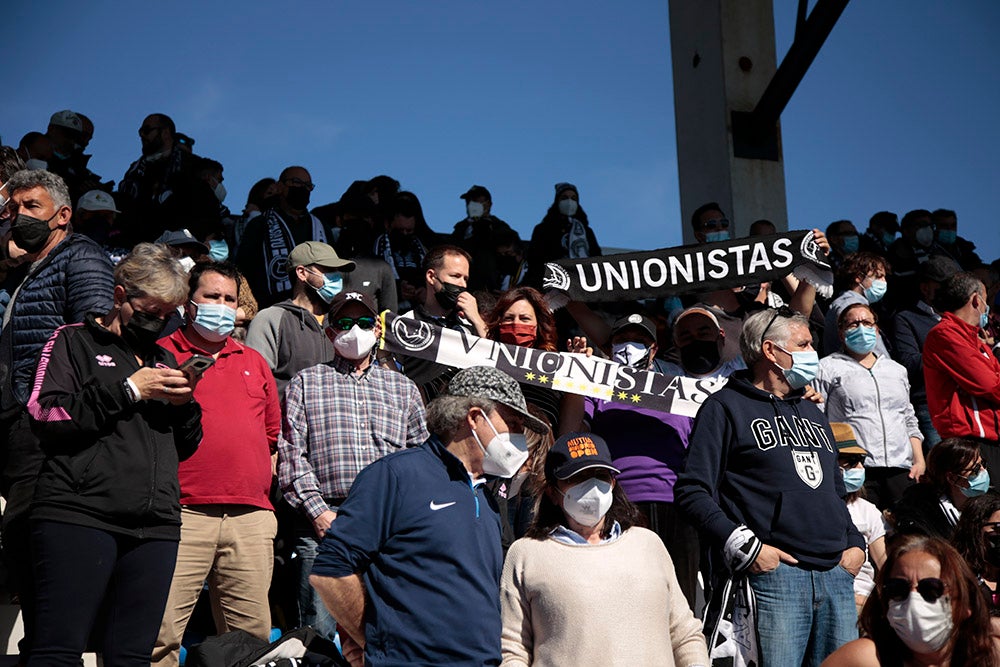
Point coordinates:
[(231, 547)]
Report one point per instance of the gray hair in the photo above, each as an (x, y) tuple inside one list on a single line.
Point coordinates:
[(150, 270), (770, 324), (445, 414), (34, 178)]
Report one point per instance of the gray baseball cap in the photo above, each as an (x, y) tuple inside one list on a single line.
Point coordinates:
[(487, 382)]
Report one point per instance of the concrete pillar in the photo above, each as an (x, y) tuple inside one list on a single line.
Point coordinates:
[(723, 55)]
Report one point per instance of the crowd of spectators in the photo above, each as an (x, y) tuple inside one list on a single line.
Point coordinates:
[(344, 487)]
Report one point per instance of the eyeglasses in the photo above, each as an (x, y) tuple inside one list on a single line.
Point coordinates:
[(784, 311), (715, 223), (897, 589), (848, 461), (299, 183), (147, 130), (366, 322), (973, 471), (858, 323)]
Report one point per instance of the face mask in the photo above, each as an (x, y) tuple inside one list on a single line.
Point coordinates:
[(923, 626), (854, 479), (888, 238), (516, 483), (356, 343), (861, 339), (35, 163), (335, 236), (947, 236), (333, 283), (876, 291), (805, 365), (588, 502), (925, 236), (515, 333), (218, 251), (748, 295), (984, 318), (297, 197), (630, 354), (700, 356), (213, 321), (142, 330), (220, 192), (504, 454), (715, 237), (447, 296), (187, 263), (474, 209), (30, 234), (568, 207), (850, 244), (978, 484)]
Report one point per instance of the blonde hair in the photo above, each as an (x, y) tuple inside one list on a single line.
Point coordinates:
[(150, 270)]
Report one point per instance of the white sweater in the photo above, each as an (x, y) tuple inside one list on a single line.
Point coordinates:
[(616, 603)]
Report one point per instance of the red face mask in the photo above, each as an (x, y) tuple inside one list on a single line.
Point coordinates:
[(514, 333)]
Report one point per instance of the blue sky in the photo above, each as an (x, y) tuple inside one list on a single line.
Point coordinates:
[(897, 112)]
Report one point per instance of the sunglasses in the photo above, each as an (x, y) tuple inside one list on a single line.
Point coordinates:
[(366, 322), (784, 311), (930, 589)]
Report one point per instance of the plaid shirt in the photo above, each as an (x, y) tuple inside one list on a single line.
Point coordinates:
[(336, 423)]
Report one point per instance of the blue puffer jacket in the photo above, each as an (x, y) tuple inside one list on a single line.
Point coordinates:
[(72, 280)]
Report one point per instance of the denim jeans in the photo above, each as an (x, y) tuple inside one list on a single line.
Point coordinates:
[(312, 611), (803, 615)]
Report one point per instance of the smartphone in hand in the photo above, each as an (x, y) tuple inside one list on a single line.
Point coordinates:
[(197, 364)]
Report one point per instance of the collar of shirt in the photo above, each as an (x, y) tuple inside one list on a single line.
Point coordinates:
[(346, 366), (564, 535), (926, 308), (184, 343)]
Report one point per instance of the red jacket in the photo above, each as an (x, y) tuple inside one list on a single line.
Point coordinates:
[(963, 381)]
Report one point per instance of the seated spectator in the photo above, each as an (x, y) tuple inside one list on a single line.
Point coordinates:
[(564, 232), (871, 393), (478, 233), (700, 340), (909, 332), (861, 279), (568, 591), (953, 245), (926, 609), (866, 517), (910, 250), (844, 242), (258, 200), (962, 375), (881, 232), (95, 217), (977, 539), (511, 262), (35, 150), (402, 248), (933, 507)]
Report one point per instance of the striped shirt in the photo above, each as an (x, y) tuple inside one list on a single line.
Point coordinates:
[(336, 423)]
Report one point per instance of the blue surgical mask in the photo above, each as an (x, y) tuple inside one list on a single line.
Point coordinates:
[(218, 251), (213, 321), (978, 484), (888, 238), (333, 283), (876, 291), (805, 365), (714, 237), (851, 244), (854, 479), (947, 236), (861, 339), (984, 318)]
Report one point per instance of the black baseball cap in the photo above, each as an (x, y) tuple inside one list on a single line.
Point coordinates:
[(575, 452)]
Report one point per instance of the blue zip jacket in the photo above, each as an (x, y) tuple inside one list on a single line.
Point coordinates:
[(427, 543)]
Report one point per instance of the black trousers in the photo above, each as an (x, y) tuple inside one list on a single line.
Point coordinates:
[(681, 540)]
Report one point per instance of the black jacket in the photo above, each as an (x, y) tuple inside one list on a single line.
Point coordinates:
[(110, 463)]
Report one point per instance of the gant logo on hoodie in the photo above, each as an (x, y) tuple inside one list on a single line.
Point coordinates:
[(802, 437)]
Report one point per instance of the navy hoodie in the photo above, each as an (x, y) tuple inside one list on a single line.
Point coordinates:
[(770, 464)]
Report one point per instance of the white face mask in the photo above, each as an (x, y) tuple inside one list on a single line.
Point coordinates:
[(629, 353), (474, 209), (588, 502), (220, 192), (356, 343), (504, 454), (187, 263), (923, 626), (568, 207)]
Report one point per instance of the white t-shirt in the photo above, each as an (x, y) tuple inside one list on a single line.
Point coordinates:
[(868, 520)]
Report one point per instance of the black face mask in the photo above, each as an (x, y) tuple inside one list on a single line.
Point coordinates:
[(400, 242), (447, 298), (748, 295), (142, 330), (30, 234), (700, 357), (297, 197), (993, 550)]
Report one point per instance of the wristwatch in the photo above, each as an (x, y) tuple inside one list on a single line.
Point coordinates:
[(133, 397)]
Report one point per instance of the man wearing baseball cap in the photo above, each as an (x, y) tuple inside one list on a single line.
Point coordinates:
[(95, 217), (290, 333), (339, 417), (418, 538), (477, 234)]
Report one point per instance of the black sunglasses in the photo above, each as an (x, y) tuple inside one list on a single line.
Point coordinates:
[(930, 589), (366, 322), (784, 311)]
